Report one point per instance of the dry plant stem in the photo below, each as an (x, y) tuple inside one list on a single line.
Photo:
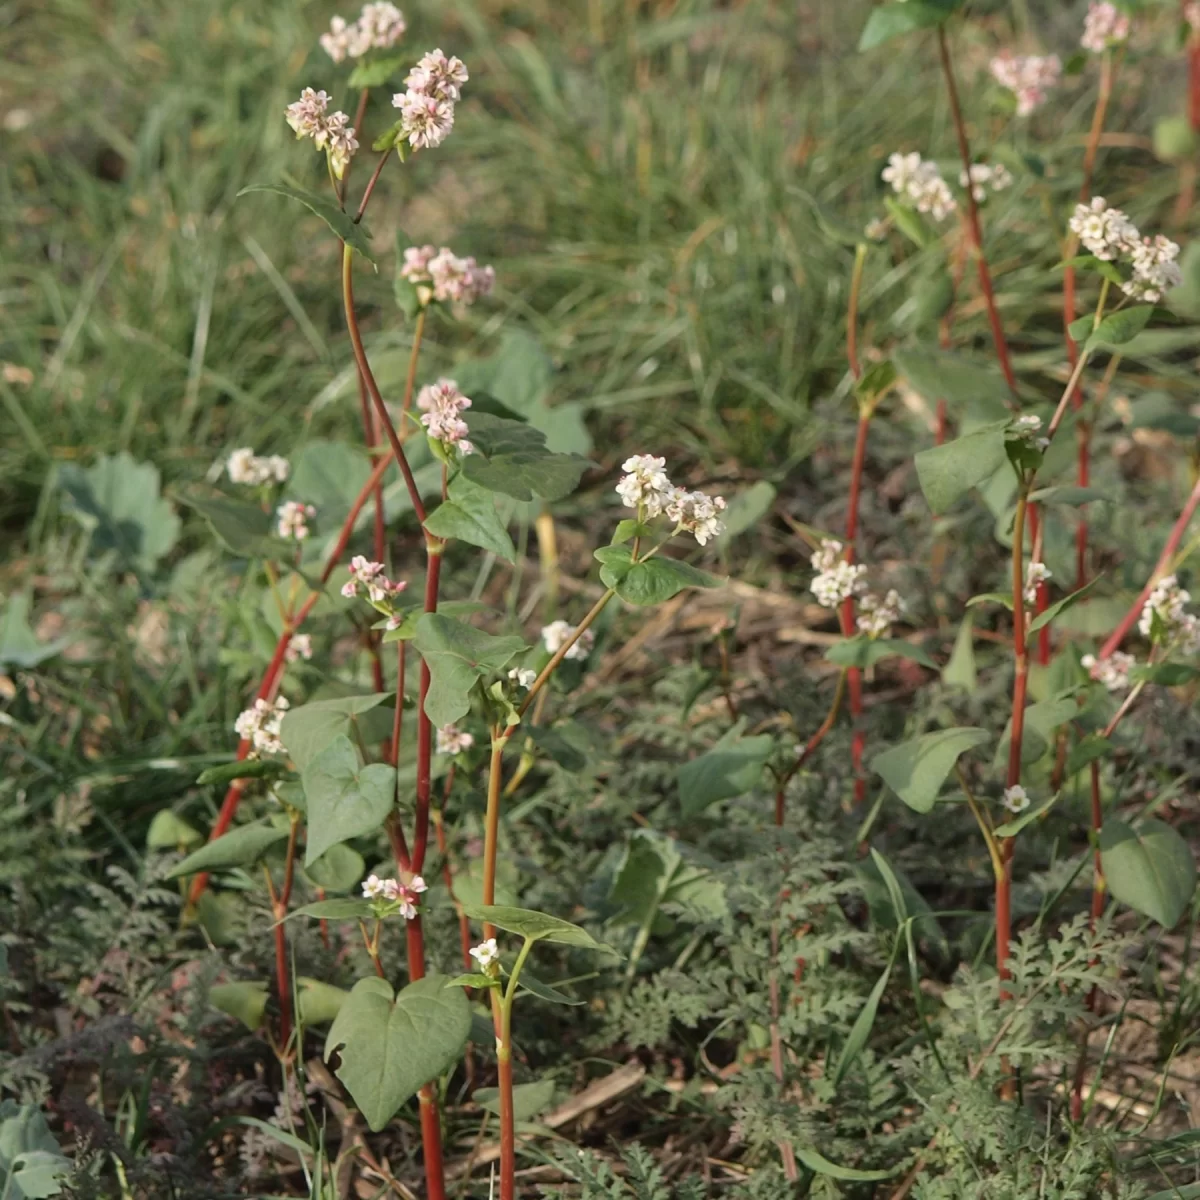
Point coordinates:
[(271, 676), (973, 225)]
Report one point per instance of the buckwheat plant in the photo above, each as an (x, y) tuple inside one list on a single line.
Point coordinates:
[(332, 766)]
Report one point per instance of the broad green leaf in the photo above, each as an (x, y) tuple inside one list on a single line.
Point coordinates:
[(245, 1001), (35, 1175), (860, 1031), (239, 847), (822, 1166), (651, 581), (950, 471), (168, 831), (960, 670), (31, 1163), (863, 652), (329, 475), (345, 799), (337, 870), (243, 527), (458, 655), (627, 530), (119, 501), (535, 926), (1052, 610), (747, 508), (899, 17), (1041, 722), (470, 516), (529, 1099), (392, 1045), (377, 71), (731, 768), (307, 730), (558, 747), (1086, 752), (974, 389), (652, 873), (512, 457), (1120, 327), (1069, 495), (1167, 674), (341, 908), (1150, 868), (319, 1002), (474, 981), (530, 983), (341, 223), (19, 645), (1186, 1191), (915, 770), (245, 768), (1033, 813)]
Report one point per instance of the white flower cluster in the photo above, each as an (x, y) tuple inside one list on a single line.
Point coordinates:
[(1016, 798), (1165, 617), (380, 590), (1113, 671), (1028, 427), (1104, 26), (986, 175), (427, 107), (299, 647), (260, 726), (919, 180), (392, 891), (244, 466), (646, 488), (452, 740), (876, 615), (523, 677), (1110, 235), (487, 955), (1028, 76), (378, 27), (440, 274), (837, 580), (291, 520), (331, 132), (558, 633), (1036, 573), (442, 406)]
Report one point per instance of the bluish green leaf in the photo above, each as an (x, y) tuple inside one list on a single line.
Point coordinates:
[(1120, 327), (733, 767), (1150, 868), (307, 730)]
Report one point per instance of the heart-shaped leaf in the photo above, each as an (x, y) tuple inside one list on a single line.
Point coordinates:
[(915, 770), (948, 472), (469, 514), (307, 730), (458, 655), (651, 581), (1150, 868), (512, 457), (345, 799)]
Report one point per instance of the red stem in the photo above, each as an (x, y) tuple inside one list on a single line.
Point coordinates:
[(424, 724), (846, 614)]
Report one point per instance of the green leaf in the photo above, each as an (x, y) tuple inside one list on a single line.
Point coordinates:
[(1167, 674), (31, 1163), (535, 926), (1086, 752), (378, 71), (627, 530), (949, 471), (337, 870), (392, 1045), (899, 17), (307, 730), (512, 457), (242, 527), (1151, 868), (860, 1031), (245, 1001), (974, 390), (169, 832), (1002, 598), (19, 646), (1120, 327), (239, 847), (908, 221), (822, 1166), (1041, 722), (543, 991), (329, 475), (341, 223), (960, 670), (653, 873), (747, 508), (345, 799), (35, 1175), (341, 908), (470, 516), (529, 1099), (118, 500), (1052, 610), (561, 749), (1068, 495), (915, 770), (651, 581), (245, 768), (863, 652), (1034, 813), (458, 655), (1107, 270), (1174, 139), (731, 768), (474, 981), (319, 1002)]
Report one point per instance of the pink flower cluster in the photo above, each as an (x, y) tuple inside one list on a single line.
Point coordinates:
[(292, 518), (1028, 76), (331, 132), (378, 27), (1104, 26), (380, 590), (427, 107), (393, 891), (442, 276), (441, 404)]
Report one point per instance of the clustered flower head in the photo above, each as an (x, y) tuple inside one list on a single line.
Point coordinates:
[(331, 132), (440, 274), (523, 677), (299, 646), (378, 27), (558, 633), (1028, 427), (393, 891), (986, 175), (1110, 235), (441, 406), (1028, 76), (1016, 798), (260, 725), (1035, 574), (646, 488), (919, 180), (1112, 671), (292, 519), (372, 577), (1165, 618), (836, 580), (244, 466), (452, 740), (1104, 26), (487, 955), (427, 107), (877, 615)]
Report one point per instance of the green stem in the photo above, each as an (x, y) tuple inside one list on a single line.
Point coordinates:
[(561, 653)]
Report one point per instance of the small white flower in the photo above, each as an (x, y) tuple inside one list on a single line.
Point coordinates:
[(1029, 77), (452, 740), (1164, 614), (558, 633), (696, 513), (440, 404), (1113, 671), (424, 120), (486, 954), (876, 230), (645, 484), (374, 888), (260, 726), (292, 519), (246, 467), (876, 616), (299, 646), (1104, 26), (921, 182), (1155, 271), (1036, 574), (835, 586), (339, 139), (1105, 232), (523, 677), (1016, 799), (438, 76)]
